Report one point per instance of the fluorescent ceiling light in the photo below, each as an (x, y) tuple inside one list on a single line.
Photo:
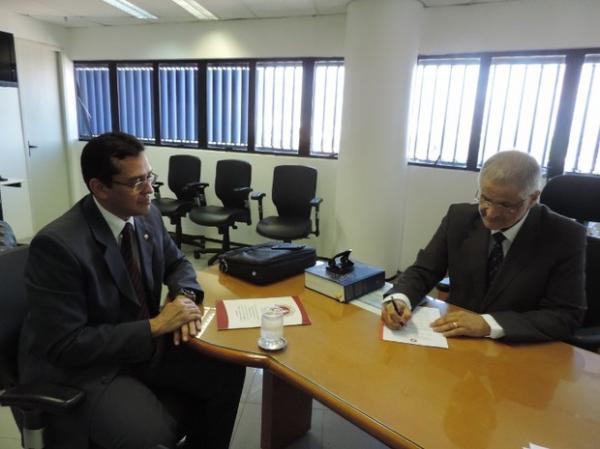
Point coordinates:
[(196, 9), (131, 9)]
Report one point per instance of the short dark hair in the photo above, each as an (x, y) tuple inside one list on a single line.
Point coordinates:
[(97, 157)]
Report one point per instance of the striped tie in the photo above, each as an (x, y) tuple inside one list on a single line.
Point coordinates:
[(133, 269), (496, 257)]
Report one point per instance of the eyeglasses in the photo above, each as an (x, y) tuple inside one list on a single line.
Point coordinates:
[(509, 208), (138, 184)]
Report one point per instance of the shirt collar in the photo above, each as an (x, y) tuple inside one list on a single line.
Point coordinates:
[(115, 223), (511, 233)]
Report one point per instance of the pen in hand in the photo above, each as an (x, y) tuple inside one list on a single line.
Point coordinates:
[(398, 311)]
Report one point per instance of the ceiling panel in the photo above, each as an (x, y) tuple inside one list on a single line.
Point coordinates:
[(96, 12)]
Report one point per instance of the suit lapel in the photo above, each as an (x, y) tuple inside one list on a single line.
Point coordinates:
[(518, 257), (146, 249), (112, 253)]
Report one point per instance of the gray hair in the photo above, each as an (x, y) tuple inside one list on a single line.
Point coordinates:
[(513, 167)]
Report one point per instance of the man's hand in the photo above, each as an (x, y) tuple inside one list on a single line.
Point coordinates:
[(463, 323), (175, 314), (187, 330), (395, 314)]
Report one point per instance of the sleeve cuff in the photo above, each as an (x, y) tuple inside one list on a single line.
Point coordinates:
[(496, 330), (400, 297)]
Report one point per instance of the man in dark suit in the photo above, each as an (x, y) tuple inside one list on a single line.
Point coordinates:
[(94, 279), (517, 267)]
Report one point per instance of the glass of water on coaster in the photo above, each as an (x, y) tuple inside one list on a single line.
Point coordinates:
[(271, 330)]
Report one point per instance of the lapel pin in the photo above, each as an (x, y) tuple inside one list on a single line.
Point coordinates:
[(146, 236)]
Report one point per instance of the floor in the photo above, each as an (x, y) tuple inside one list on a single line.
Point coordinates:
[(328, 429)]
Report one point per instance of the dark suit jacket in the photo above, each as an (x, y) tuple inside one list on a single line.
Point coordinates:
[(538, 294), (82, 326)]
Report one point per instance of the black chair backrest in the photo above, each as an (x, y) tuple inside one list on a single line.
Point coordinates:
[(592, 282), (574, 196), (183, 169), (232, 174), (13, 309), (293, 188)]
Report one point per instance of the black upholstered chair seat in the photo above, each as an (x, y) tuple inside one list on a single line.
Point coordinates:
[(284, 228), (218, 216), (170, 206)]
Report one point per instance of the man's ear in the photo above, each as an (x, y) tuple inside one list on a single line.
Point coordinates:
[(98, 188), (535, 196)]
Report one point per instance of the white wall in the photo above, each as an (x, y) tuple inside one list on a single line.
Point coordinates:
[(307, 36), (13, 159), (16, 207), (304, 36), (31, 29), (518, 25)]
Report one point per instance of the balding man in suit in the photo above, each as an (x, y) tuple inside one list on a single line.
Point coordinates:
[(514, 265)]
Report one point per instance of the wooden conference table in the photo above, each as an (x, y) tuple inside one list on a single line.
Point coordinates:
[(477, 394)]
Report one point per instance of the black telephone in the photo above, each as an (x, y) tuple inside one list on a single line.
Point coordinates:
[(343, 266)]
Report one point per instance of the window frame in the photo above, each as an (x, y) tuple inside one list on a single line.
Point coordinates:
[(574, 59), (308, 64)]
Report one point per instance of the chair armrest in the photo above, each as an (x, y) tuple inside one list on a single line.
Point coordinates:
[(243, 189), (156, 185), (50, 398), (197, 190), (587, 338), (258, 196), (315, 202)]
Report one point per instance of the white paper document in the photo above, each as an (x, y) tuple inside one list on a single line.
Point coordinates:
[(534, 446), (417, 331), (245, 313)]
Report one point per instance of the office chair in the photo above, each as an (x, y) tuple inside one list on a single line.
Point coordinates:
[(232, 186), (294, 188), (32, 402), (578, 197), (28, 402), (184, 177)]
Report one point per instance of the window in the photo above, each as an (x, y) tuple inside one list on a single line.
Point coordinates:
[(328, 89), (227, 90), (521, 105), (178, 103), (443, 98), (135, 90), (466, 108), (290, 107), (278, 105), (94, 115), (582, 153)]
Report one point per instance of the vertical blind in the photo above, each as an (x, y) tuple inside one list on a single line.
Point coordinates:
[(93, 100), (521, 105), (135, 88), (278, 105), (584, 140), (178, 103), (227, 88), (328, 96), (442, 104)]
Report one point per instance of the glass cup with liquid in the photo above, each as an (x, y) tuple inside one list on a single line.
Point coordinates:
[(271, 330)]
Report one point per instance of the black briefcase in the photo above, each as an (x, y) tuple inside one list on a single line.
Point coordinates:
[(268, 262)]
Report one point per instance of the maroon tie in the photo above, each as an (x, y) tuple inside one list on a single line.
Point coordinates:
[(133, 269)]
